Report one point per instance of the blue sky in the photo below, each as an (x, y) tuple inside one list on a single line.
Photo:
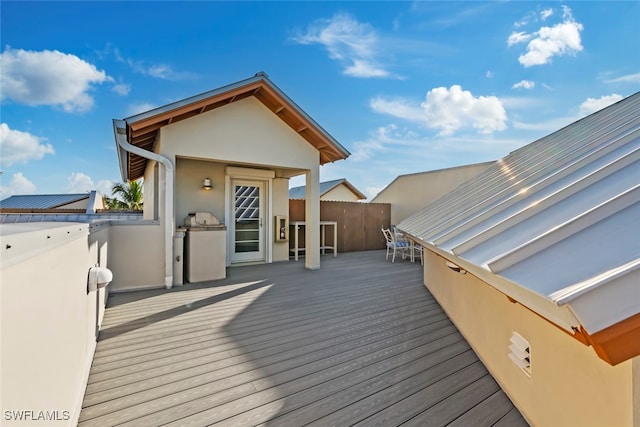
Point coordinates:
[(404, 86)]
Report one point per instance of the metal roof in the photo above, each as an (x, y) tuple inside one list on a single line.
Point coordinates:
[(558, 218), (142, 129), (325, 187), (41, 201)]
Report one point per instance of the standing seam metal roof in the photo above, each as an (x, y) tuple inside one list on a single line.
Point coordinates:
[(41, 201), (558, 217)]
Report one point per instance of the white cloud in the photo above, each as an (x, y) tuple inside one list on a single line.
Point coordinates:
[(629, 78), (560, 39), (19, 184), (398, 108), (489, 74), (364, 150), (79, 182), (121, 89), (104, 186), (348, 41), (364, 69), (454, 108), (518, 37), (159, 71), (546, 13), (591, 105), (49, 78), (20, 147), (524, 84), (448, 110)]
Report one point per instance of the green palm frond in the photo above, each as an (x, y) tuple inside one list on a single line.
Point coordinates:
[(127, 195)]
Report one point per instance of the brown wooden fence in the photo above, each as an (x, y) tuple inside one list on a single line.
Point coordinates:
[(359, 224)]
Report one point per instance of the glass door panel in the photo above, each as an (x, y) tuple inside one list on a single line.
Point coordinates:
[(248, 232)]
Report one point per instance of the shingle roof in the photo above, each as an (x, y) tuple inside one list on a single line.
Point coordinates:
[(558, 217), (41, 201), (325, 187)]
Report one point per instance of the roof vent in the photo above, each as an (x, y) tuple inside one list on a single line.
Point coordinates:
[(520, 353)]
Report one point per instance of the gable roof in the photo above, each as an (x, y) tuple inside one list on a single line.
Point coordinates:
[(142, 129), (558, 218), (41, 201), (325, 187)]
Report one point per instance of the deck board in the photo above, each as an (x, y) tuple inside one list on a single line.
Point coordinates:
[(359, 341)]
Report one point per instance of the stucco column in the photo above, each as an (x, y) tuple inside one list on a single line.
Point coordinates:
[(312, 219)]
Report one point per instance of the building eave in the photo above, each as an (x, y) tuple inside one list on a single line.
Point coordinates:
[(142, 129)]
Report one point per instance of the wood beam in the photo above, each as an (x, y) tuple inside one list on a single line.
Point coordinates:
[(196, 105)]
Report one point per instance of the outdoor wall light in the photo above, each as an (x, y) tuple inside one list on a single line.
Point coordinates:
[(206, 184), (99, 277), (456, 268)]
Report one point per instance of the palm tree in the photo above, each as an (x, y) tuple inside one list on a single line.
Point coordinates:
[(130, 196), (111, 203)]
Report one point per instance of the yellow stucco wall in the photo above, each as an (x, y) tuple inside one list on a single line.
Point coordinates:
[(569, 384), (341, 194), (407, 194)]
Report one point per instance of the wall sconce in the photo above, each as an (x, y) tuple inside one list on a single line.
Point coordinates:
[(99, 277), (206, 184)]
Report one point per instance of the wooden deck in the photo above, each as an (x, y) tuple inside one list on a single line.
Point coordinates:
[(359, 342)]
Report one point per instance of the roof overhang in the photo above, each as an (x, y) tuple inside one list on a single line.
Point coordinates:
[(142, 129)]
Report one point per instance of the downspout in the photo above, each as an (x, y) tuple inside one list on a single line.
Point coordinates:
[(120, 131)]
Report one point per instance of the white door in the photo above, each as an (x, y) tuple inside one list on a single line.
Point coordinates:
[(248, 225)]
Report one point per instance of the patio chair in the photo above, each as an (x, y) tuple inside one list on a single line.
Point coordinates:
[(418, 248), (395, 245)]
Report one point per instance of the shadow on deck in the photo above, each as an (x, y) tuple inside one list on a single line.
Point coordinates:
[(360, 341)]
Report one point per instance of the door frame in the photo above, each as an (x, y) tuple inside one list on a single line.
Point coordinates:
[(265, 177)]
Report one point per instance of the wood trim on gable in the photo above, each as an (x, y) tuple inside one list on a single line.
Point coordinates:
[(144, 132)]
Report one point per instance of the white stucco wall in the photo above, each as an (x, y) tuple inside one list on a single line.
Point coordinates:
[(569, 384), (242, 134), (136, 255), (48, 320), (191, 197), (280, 207)]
